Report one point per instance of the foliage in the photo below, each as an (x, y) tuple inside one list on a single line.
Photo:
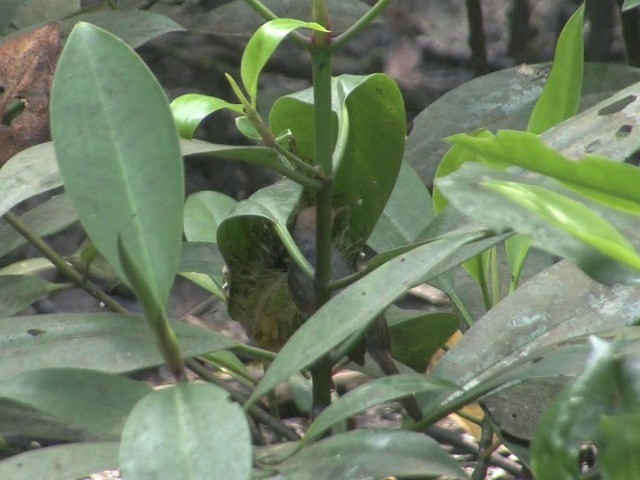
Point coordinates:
[(502, 198)]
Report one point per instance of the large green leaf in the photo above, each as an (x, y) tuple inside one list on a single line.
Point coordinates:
[(166, 433), (10, 9), (561, 94), (67, 404), (399, 225), (251, 241), (372, 454), (366, 166), (27, 174), (506, 98), (100, 341), (558, 304), (74, 460), (17, 292), (571, 236), (39, 11), (353, 308), (118, 152), (48, 218), (133, 27)]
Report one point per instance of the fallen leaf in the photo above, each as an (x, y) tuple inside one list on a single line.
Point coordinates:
[(27, 64)]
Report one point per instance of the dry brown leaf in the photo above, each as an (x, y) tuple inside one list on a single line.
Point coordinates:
[(27, 64)]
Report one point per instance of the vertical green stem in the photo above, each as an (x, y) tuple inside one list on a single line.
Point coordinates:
[(323, 153)]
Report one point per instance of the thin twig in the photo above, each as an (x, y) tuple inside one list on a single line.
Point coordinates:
[(477, 39), (360, 24), (254, 410), (63, 266)]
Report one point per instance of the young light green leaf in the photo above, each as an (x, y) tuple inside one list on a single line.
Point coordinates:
[(619, 458), (262, 45), (629, 4), (190, 109), (570, 216), (119, 154), (606, 181), (166, 431), (561, 94)]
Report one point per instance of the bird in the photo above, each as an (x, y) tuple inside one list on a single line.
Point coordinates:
[(301, 288)]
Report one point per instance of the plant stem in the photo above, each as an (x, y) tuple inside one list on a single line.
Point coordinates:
[(321, 65), (360, 24), (477, 39), (486, 450), (631, 33), (61, 264)]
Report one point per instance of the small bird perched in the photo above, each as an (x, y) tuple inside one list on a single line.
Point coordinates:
[(376, 340)]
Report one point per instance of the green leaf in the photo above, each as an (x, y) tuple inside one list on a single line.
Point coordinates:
[(202, 263), (134, 27), (17, 292), (601, 179), (574, 417), (67, 404), (372, 454), (100, 341), (369, 395), (261, 46), (10, 8), (571, 216), (73, 460), (119, 153), (619, 459), (167, 430), (506, 98), (30, 172), (353, 308), (466, 189), (415, 335), (203, 213), (39, 11), (190, 109), (252, 241), (629, 4), (48, 218), (399, 225), (561, 94)]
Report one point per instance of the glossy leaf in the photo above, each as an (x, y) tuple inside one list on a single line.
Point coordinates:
[(134, 27), (619, 459), (353, 308), (190, 109), (100, 341), (124, 173), (261, 46), (203, 213), (573, 417), (558, 304), (369, 395), (67, 404), (74, 460), (599, 178), (372, 454), (570, 216), (561, 94), (17, 292), (48, 218), (415, 335), (406, 213), (629, 4), (167, 430), (27, 174), (505, 99), (466, 190)]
